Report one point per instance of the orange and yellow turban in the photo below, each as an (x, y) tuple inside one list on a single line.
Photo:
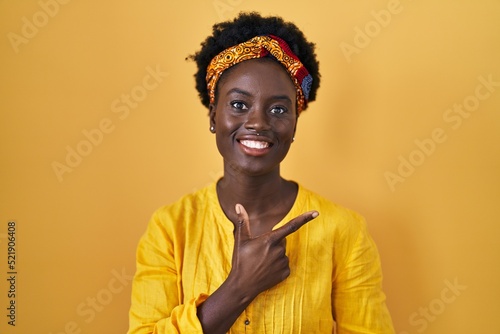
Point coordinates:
[(258, 47)]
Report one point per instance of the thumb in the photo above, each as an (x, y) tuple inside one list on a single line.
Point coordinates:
[(243, 226)]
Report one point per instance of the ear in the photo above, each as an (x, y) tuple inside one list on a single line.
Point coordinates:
[(211, 115)]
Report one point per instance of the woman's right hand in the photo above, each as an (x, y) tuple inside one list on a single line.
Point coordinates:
[(260, 262)]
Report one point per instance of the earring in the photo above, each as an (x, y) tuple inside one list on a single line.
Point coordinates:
[(212, 129), (293, 139)]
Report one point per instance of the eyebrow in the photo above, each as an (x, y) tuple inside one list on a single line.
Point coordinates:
[(244, 92), (238, 91)]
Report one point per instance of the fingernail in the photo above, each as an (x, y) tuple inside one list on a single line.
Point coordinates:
[(315, 214), (238, 209)]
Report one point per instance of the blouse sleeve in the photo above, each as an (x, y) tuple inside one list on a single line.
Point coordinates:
[(156, 303), (358, 300)]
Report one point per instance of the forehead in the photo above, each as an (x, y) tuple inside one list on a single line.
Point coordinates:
[(262, 74)]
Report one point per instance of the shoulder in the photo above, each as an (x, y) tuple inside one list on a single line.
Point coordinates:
[(174, 223), (328, 209), (334, 221), (186, 208), (190, 203), (341, 227)]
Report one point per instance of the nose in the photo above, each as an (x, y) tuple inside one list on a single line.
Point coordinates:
[(257, 120)]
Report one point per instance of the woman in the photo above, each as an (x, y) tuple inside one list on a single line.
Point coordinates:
[(253, 252)]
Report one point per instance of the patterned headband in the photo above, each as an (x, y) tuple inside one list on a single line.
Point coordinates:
[(258, 47)]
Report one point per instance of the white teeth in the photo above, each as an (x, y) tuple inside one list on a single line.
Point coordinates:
[(255, 144)]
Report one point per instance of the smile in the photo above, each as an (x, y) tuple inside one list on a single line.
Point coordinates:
[(255, 144)]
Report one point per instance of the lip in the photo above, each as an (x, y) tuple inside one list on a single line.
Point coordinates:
[(256, 152)]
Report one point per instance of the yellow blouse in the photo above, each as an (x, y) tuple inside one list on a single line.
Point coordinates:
[(185, 255)]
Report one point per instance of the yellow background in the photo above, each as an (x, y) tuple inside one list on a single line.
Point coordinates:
[(78, 232)]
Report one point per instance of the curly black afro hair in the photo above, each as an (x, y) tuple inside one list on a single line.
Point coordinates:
[(245, 27)]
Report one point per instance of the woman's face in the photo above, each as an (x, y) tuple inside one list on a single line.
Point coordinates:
[(255, 116)]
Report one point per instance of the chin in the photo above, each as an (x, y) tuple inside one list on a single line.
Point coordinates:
[(255, 169)]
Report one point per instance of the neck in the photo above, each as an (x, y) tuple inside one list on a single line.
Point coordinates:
[(259, 194)]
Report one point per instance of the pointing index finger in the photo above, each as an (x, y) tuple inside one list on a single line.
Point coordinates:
[(292, 226)]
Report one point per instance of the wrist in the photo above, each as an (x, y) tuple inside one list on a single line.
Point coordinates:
[(237, 287)]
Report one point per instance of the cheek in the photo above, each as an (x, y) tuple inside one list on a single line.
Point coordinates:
[(225, 127), (227, 124), (285, 128)]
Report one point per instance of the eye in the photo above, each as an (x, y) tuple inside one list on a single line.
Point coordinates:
[(238, 105), (278, 110)]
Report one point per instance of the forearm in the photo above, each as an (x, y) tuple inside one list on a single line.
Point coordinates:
[(219, 312)]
